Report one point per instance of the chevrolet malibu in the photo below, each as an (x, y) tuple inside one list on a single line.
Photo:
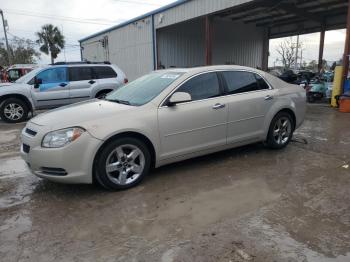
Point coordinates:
[(161, 118)]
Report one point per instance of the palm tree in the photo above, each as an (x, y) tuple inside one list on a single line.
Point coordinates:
[(51, 40)]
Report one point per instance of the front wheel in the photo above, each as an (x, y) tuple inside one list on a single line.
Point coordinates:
[(280, 131), (13, 110), (123, 163)]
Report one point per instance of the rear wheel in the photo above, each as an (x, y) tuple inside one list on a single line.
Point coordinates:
[(123, 163), (280, 131), (13, 110)]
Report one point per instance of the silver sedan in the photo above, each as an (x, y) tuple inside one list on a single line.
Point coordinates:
[(161, 118)]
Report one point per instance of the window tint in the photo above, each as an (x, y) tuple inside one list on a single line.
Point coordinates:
[(104, 72), (80, 73), (240, 82), (53, 75), (261, 82), (202, 87)]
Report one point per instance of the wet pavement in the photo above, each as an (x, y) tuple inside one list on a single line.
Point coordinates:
[(245, 204)]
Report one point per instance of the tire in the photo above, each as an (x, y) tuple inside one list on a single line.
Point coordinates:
[(14, 110), (122, 163), (280, 131)]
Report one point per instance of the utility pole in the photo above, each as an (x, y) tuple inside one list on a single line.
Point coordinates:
[(296, 54), (7, 42)]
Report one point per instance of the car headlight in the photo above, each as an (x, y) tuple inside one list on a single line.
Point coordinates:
[(60, 138)]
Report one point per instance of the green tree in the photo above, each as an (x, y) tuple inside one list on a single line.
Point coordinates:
[(22, 52), (51, 40)]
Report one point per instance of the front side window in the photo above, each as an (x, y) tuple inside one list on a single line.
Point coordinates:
[(143, 89), (80, 73), (53, 75), (202, 87), (102, 72)]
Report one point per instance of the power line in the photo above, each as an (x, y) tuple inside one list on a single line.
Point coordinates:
[(72, 19), (57, 18)]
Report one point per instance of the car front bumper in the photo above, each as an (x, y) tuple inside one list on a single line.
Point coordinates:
[(72, 163)]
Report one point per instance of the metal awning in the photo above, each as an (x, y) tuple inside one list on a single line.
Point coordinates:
[(291, 17)]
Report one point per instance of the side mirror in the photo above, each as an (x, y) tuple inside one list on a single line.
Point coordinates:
[(179, 97), (37, 82)]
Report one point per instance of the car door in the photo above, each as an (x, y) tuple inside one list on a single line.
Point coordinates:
[(54, 88), (196, 125), (107, 78), (82, 81), (249, 98)]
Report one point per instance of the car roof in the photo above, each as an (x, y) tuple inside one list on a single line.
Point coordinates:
[(202, 69)]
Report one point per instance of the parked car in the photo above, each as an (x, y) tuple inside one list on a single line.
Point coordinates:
[(160, 118), (16, 71), (57, 85)]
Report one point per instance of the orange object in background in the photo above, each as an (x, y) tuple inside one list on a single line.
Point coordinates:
[(344, 104)]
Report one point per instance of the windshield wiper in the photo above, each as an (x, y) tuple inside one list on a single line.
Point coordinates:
[(124, 102)]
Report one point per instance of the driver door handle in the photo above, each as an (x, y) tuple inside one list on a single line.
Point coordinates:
[(63, 84), (92, 82), (268, 97), (218, 106)]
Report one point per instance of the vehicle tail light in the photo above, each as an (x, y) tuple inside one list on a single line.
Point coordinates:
[(126, 80)]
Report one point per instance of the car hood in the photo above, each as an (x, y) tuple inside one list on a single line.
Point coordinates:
[(9, 86), (83, 114), (5, 84)]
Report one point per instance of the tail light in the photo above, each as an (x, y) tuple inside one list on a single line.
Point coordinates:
[(126, 80)]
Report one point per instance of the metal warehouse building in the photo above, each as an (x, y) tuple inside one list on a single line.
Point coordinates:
[(203, 32)]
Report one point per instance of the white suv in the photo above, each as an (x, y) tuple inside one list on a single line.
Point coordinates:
[(57, 85)]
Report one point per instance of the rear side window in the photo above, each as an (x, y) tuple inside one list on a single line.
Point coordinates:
[(240, 82), (104, 72), (202, 87), (80, 73), (261, 82)]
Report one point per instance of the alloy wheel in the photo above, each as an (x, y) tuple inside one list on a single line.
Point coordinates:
[(282, 130), (13, 111), (125, 164)]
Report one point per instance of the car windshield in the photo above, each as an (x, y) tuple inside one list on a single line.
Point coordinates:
[(143, 89), (27, 77)]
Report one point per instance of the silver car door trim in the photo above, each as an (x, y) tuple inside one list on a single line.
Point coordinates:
[(193, 130), (249, 118)]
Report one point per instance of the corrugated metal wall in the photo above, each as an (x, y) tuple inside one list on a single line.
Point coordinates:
[(237, 43), (192, 9), (182, 45), (129, 47)]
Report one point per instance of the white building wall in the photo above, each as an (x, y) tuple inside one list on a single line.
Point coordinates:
[(193, 9), (129, 47), (92, 50)]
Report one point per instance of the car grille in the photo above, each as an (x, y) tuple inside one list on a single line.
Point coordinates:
[(30, 132), (26, 148), (53, 171)]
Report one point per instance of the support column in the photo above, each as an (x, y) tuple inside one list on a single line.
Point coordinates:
[(346, 50), (208, 40), (266, 50), (320, 53)]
